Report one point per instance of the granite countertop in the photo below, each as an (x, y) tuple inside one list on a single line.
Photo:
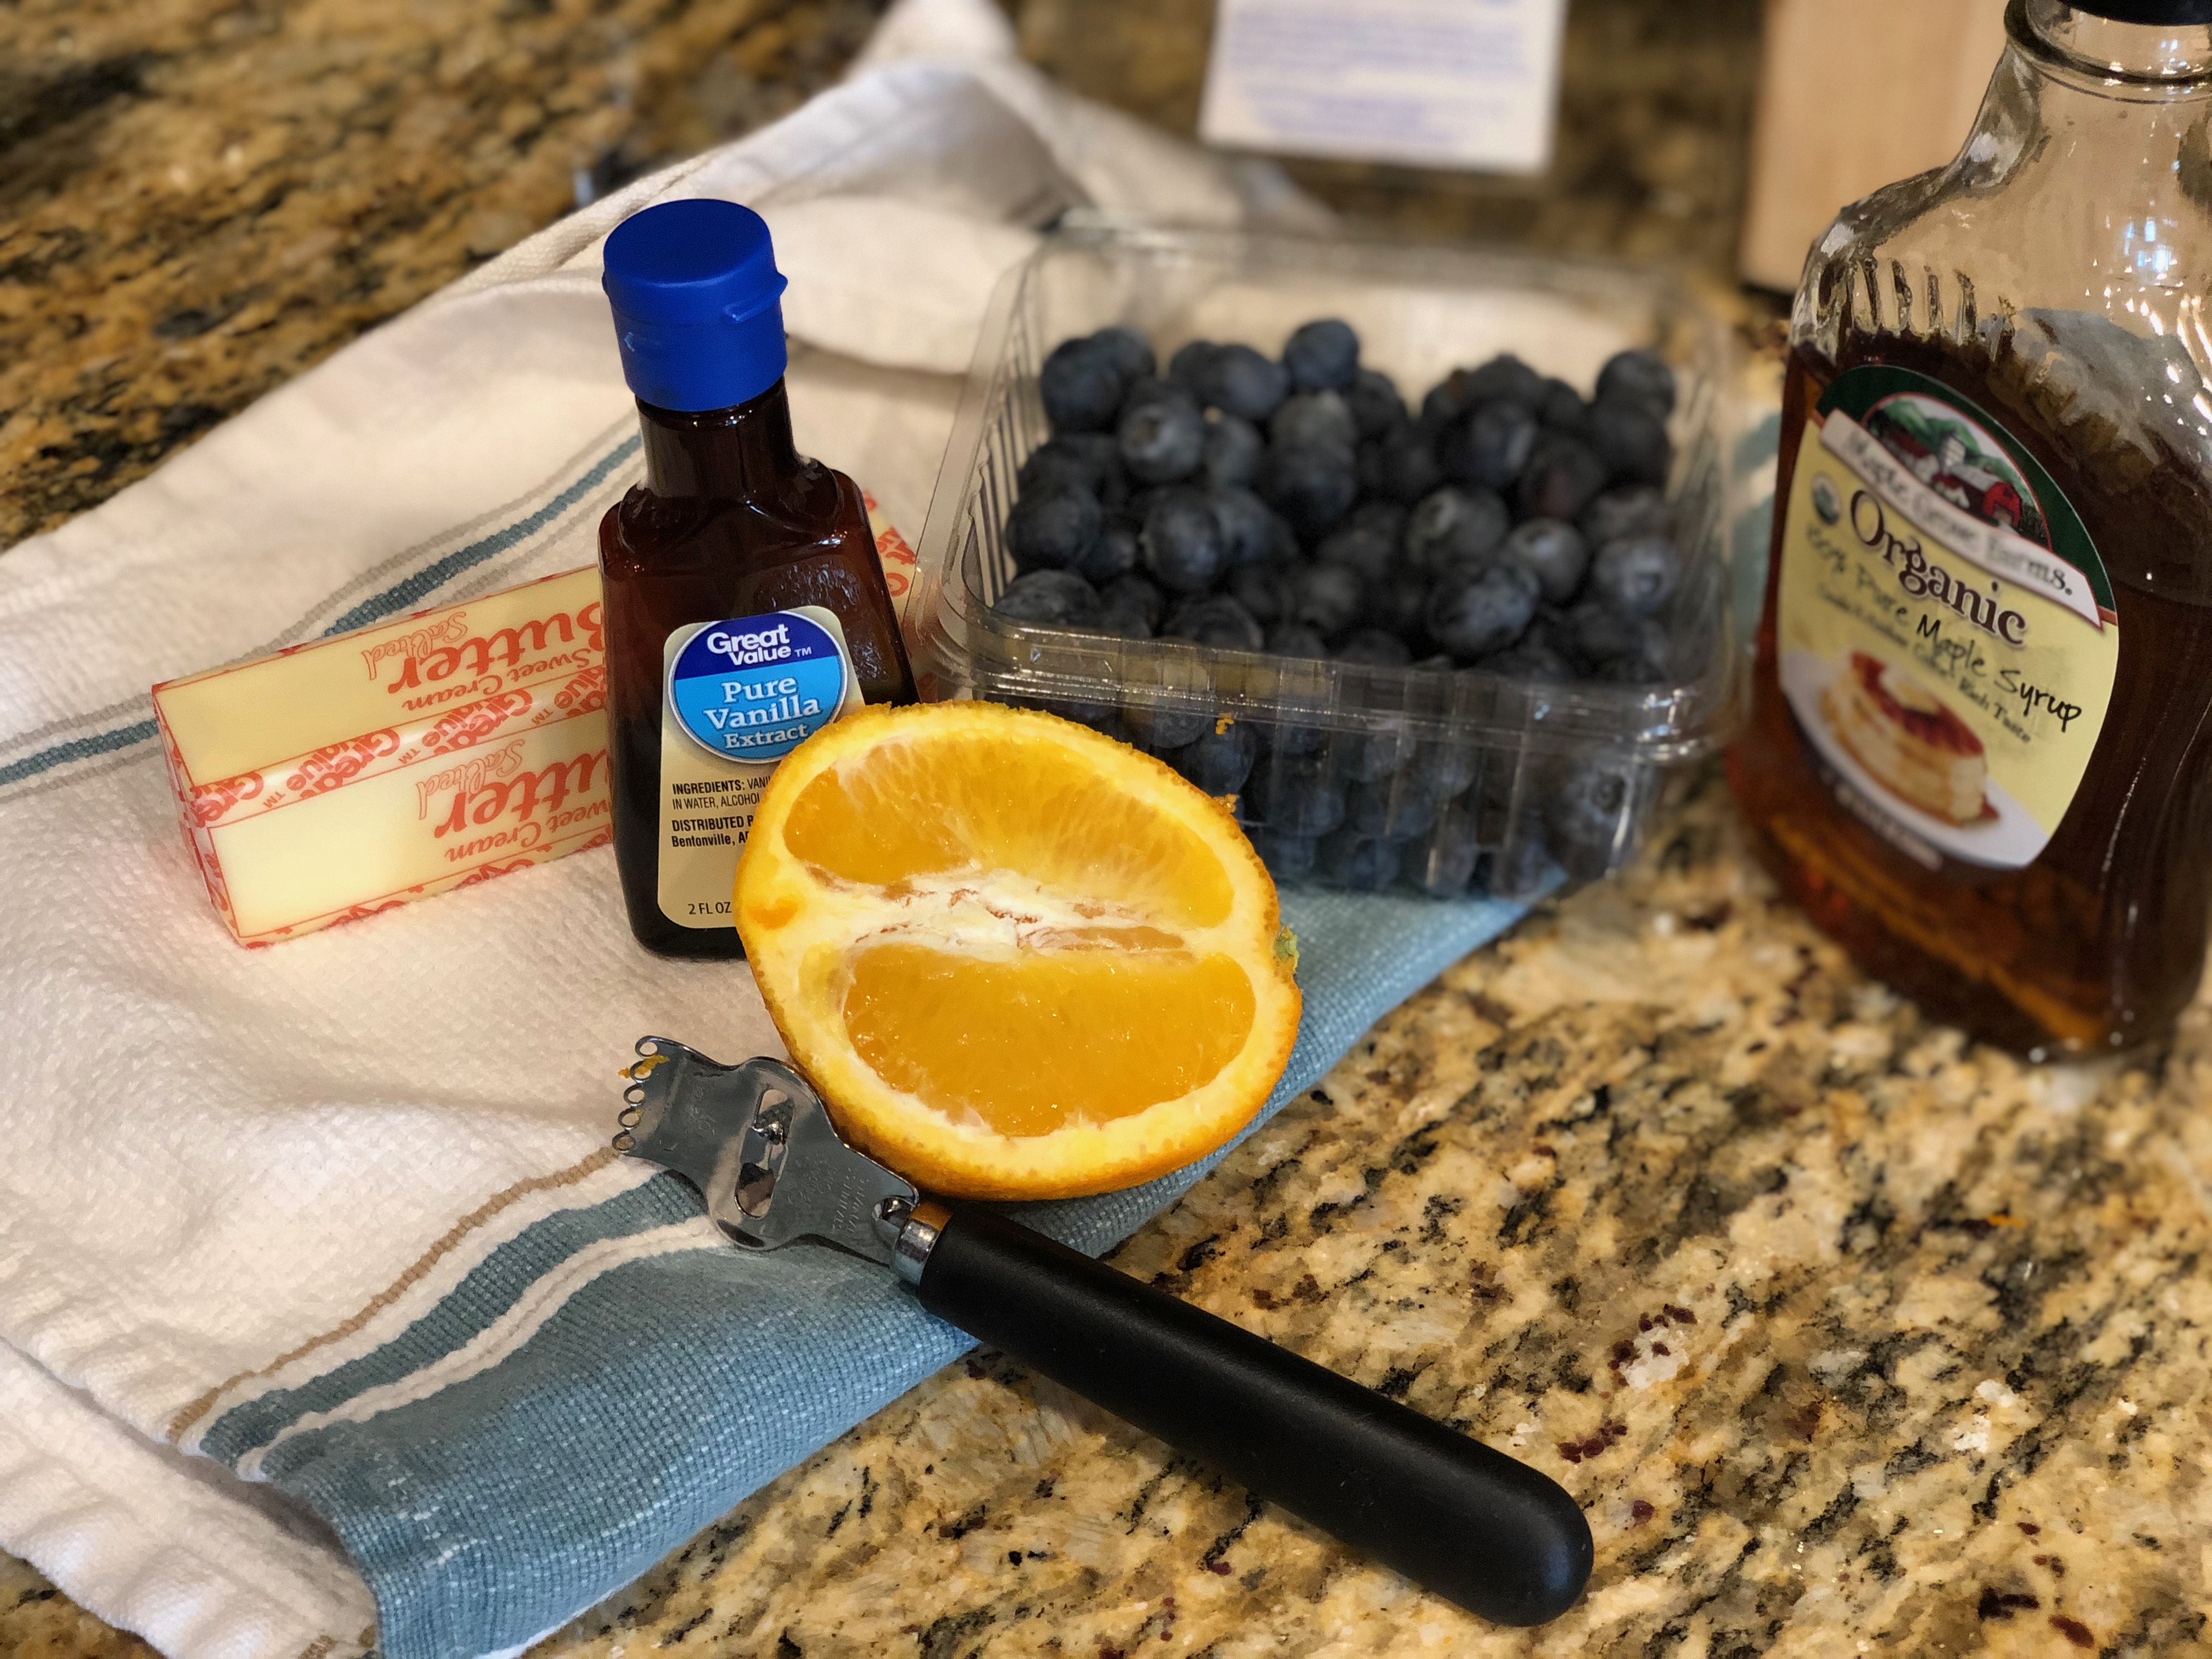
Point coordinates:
[(1849, 1336)]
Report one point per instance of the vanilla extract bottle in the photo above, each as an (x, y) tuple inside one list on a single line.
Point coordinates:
[(745, 606), (1983, 696)]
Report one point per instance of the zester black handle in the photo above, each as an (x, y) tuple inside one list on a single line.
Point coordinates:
[(1469, 1524)]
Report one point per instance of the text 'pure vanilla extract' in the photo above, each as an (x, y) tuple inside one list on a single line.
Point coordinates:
[(745, 606)]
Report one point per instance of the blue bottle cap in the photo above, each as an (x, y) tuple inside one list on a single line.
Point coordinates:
[(695, 290)]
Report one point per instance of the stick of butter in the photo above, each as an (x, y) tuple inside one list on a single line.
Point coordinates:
[(343, 777)]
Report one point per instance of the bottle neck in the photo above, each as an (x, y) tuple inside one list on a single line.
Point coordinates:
[(2077, 46), (727, 455)]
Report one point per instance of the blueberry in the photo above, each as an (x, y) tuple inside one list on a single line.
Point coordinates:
[(1362, 864), (1238, 380), (1447, 401), (1292, 639), (1403, 467), (1182, 543), (1123, 613), (1288, 857), (1057, 463), (1553, 553), (1398, 605), (1161, 727), (1232, 451), (1482, 611), (1445, 768), (1641, 375), (1186, 368), (1137, 593), (1163, 440), (1636, 575), (1113, 555), (1390, 810), (1263, 590), (1524, 661), (1323, 355), (1520, 868), (1151, 391), (1099, 716), (1288, 737), (1248, 528), (1131, 352), (1053, 529), (1367, 548), (1561, 408), (1325, 598), (1562, 474), (1630, 438), (1626, 510), (1505, 377), (1374, 647), (1296, 794), (1445, 866), (1315, 420), (1551, 632), (1052, 599), (1376, 754), (1454, 526), (1081, 385), (1640, 670), (1220, 760), (1376, 406), (1311, 488), (1386, 516), (1215, 620), (1602, 635), (1588, 803), (1491, 446)]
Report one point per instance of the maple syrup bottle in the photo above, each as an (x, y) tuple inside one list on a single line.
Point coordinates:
[(745, 607), (1977, 752)]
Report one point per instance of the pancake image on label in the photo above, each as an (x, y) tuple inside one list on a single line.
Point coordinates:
[(1908, 740)]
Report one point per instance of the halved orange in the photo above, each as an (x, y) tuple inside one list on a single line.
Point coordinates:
[(1019, 959)]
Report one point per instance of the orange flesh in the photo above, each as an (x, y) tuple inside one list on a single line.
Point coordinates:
[(1030, 1044), (942, 807)]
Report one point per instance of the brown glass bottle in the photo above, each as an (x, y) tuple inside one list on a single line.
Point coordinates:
[(2052, 279), (730, 521)]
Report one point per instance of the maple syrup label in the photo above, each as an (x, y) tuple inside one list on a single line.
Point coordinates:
[(740, 694), (1945, 629)]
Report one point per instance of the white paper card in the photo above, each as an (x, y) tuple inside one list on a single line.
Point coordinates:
[(1445, 84)]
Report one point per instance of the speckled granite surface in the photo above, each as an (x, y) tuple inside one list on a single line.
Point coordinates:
[(199, 199), (1844, 1333), (1850, 1338)]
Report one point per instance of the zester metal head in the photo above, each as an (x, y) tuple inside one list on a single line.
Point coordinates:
[(755, 1139)]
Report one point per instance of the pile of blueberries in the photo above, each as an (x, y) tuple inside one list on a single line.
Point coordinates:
[(1297, 507)]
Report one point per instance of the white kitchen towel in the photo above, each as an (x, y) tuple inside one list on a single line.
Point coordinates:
[(327, 1319)]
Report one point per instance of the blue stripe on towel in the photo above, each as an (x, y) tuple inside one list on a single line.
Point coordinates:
[(667, 1389), (483, 1296), (100, 742), (409, 590), (413, 589)]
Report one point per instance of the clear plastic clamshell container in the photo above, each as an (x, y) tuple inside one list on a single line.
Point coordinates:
[(1433, 779)]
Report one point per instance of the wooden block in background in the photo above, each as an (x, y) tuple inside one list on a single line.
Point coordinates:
[(1850, 98)]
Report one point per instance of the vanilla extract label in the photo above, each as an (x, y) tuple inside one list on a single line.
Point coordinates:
[(741, 694), (1946, 633)]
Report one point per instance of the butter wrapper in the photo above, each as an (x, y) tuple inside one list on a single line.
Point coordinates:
[(340, 778)]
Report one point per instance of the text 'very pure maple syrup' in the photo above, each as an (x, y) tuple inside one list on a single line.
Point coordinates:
[(1984, 688), (745, 606)]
